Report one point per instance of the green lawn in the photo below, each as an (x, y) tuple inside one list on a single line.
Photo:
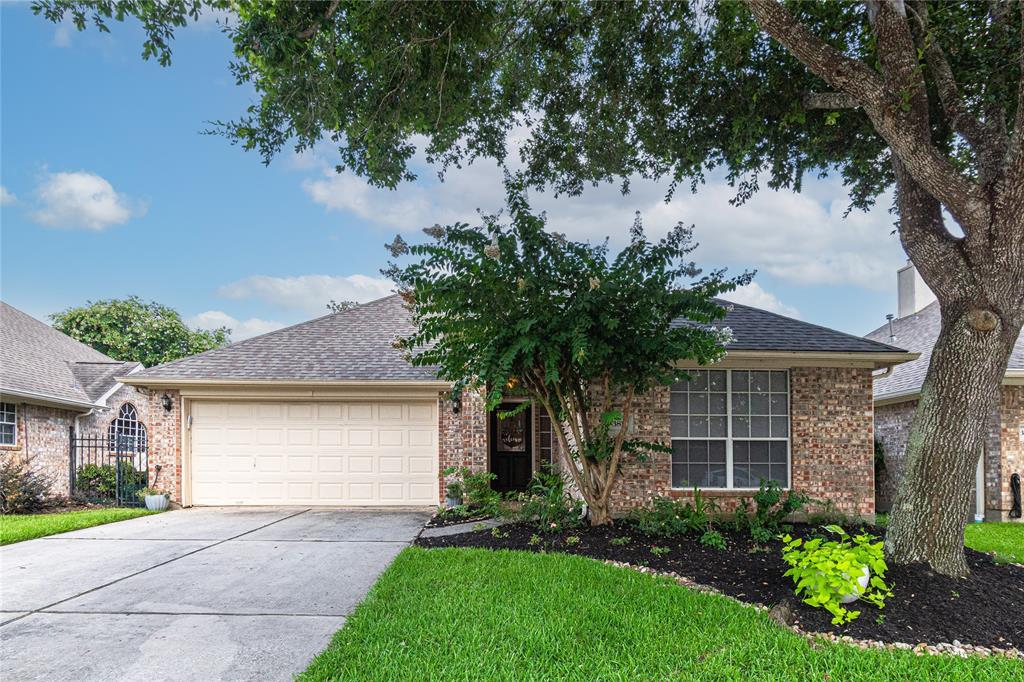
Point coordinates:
[(18, 527), (462, 614), (1005, 539)]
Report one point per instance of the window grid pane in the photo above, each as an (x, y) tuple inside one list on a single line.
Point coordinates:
[(759, 421), (8, 424)]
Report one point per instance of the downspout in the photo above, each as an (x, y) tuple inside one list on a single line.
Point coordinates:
[(886, 372)]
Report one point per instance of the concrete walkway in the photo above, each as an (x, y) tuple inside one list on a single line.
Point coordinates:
[(197, 594)]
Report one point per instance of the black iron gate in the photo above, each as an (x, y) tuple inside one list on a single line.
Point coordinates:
[(108, 469)]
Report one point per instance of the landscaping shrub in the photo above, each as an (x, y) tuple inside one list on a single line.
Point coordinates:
[(771, 507), (22, 488), (478, 499), (547, 503), (667, 518), (826, 571), (100, 480)]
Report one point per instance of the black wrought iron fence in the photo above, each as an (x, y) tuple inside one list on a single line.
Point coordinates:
[(108, 469)]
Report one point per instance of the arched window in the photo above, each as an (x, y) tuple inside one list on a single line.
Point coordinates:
[(127, 433)]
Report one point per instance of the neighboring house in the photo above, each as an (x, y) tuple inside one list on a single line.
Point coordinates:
[(50, 384), (916, 328), (328, 412)]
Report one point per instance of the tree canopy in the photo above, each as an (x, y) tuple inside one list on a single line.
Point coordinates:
[(580, 331), (132, 330)]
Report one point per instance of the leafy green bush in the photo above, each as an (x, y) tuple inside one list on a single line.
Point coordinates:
[(827, 571), (22, 488), (771, 507), (712, 538), (667, 518), (100, 480), (474, 489), (547, 503)]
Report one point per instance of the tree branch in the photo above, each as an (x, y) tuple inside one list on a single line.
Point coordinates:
[(311, 31), (908, 138), (830, 100)]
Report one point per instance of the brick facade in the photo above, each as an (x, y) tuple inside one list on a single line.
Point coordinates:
[(832, 443), (1004, 452)]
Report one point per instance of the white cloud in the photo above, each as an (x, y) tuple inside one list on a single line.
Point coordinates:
[(754, 295), (62, 35), (82, 200), (7, 196), (799, 238), (308, 293), (240, 329)]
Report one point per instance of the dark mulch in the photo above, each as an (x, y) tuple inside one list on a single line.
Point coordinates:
[(985, 609)]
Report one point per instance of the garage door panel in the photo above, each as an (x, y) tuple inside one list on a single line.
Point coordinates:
[(314, 453)]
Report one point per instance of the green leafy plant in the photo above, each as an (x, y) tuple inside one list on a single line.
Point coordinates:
[(101, 480), (474, 489), (548, 504), (498, 533), (668, 518), (534, 540), (620, 541), (572, 540), (771, 507), (660, 551), (827, 571), (148, 492), (712, 538)]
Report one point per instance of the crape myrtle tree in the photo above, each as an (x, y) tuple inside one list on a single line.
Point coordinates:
[(923, 96), (583, 333)]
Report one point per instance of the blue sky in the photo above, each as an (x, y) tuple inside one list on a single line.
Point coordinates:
[(109, 189)]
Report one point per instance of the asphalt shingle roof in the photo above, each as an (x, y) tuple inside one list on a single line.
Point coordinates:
[(353, 345), (357, 344), (756, 329), (37, 359), (918, 333)]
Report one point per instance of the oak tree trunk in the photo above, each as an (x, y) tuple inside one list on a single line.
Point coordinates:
[(957, 399)]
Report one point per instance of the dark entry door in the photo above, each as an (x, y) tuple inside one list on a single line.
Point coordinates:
[(511, 449)]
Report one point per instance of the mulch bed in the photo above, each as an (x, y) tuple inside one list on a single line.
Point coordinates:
[(984, 609), (440, 521)]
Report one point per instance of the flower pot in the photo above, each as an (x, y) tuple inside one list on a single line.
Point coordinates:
[(156, 502), (452, 501), (862, 581)]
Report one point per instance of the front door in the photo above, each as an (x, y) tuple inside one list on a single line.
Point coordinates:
[(511, 449)]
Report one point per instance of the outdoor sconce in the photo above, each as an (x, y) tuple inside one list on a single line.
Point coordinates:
[(456, 404), (166, 401)]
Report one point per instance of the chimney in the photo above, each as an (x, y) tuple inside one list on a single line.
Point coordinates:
[(913, 294)]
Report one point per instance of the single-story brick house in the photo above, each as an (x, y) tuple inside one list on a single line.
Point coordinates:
[(916, 328), (328, 412), (50, 384)]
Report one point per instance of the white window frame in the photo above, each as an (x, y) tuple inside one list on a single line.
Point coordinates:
[(728, 427), (14, 411)]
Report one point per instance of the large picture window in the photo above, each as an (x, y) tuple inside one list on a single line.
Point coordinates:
[(8, 424), (730, 429)]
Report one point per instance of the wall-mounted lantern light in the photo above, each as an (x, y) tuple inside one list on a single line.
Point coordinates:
[(456, 404), (167, 402)]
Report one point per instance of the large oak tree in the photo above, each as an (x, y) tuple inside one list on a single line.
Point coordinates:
[(925, 96)]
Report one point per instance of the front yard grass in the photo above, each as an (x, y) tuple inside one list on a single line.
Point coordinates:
[(1005, 539), (19, 527), (469, 614)]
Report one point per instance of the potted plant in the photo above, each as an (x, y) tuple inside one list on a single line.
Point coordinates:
[(155, 499), (454, 490)]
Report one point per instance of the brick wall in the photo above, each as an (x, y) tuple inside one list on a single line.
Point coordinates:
[(462, 437), (43, 439), (832, 442), (892, 429), (1011, 413)]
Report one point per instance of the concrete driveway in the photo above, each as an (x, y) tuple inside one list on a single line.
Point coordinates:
[(197, 594)]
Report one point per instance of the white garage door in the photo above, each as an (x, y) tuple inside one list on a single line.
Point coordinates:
[(351, 453)]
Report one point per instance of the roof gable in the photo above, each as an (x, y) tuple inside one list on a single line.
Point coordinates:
[(37, 360), (918, 333)]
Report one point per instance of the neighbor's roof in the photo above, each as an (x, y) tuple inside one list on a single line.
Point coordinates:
[(759, 330), (918, 333), (358, 345), (37, 361), (353, 345)]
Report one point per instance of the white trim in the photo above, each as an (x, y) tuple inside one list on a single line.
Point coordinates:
[(729, 439), (14, 443), (162, 382), (47, 399)]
